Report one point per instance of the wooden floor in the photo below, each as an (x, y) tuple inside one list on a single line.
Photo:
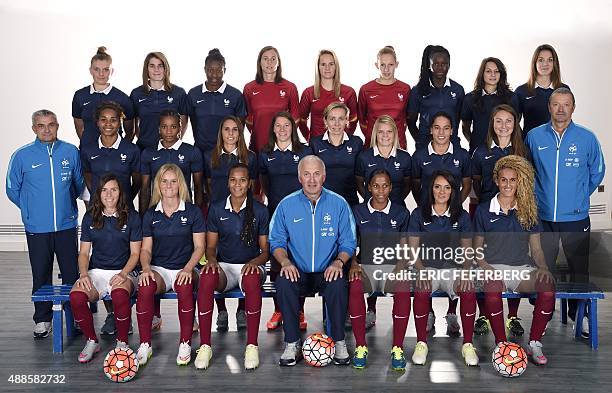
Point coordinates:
[(573, 366)]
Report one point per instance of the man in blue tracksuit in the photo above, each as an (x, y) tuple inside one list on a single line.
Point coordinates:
[(312, 236), (569, 166), (44, 179)]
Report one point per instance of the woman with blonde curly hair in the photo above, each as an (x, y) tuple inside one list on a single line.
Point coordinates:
[(509, 228)]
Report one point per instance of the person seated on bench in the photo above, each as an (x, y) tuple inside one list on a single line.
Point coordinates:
[(236, 251), (510, 228), (112, 232), (173, 242), (440, 224)]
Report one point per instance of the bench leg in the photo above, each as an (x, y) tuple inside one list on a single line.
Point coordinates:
[(593, 324), (58, 327), (69, 322), (579, 315), (564, 311)]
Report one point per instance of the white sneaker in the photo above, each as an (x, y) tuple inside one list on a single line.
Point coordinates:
[(204, 354), (121, 344), (144, 353), (184, 354), (251, 357), (431, 322), (585, 327), (419, 357), (534, 349), (452, 325), (42, 329), (90, 349), (469, 354)]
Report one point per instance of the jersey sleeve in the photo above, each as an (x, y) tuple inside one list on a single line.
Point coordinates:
[(199, 225), (405, 222), (77, 109), (14, 179), (415, 168), (294, 102), (263, 221), (362, 109), (240, 109), (305, 103), (183, 104), (252, 166), (212, 219), (465, 225), (85, 228), (414, 223), (347, 235), (466, 170), (85, 161), (360, 164), (466, 110), (279, 236), (262, 167), (135, 162), (197, 163), (145, 163), (351, 102), (147, 228), (135, 227)]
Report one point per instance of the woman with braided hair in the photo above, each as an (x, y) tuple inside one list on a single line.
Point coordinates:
[(510, 229), (237, 249)]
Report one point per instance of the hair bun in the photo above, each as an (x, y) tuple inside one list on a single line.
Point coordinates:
[(390, 47), (101, 50), (214, 51)]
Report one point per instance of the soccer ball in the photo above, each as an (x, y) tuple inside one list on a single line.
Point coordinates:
[(120, 365), (318, 350), (509, 359)]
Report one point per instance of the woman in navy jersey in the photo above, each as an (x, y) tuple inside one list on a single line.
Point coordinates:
[(438, 225), (113, 234), (385, 95), (339, 152), (237, 249), (385, 153), (173, 242), (435, 92), (87, 99), (510, 228), (171, 149), (155, 95), (378, 215), (544, 78), (229, 150), (111, 153), (326, 89), (267, 95), (490, 89), (278, 163), (212, 101)]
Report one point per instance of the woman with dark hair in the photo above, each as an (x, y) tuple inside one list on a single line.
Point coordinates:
[(339, 152), (490, 89), (437, 225), (113, 234), (533, 96), (87, 99), (385, 95), (173, 243), (510, 228), (267, 95), (379, 215), (213, 100), (326, 89), (155, 95), (278, 163), (237, 249), (435, 92)]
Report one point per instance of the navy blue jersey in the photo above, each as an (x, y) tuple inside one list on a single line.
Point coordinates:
[(439, 234), (228, 225), (148, 106), (185, 156), (340, 162), (280, 168), (122, 159), (110, 245), (172, 236), (398, 165), (483, 162), (506, 241), (219, 176), (208, 108), (533, 105), (480, 117), (84, 105), (447, 99), (425, 162)]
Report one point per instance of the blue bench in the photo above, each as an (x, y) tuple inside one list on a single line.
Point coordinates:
[(587, 295)]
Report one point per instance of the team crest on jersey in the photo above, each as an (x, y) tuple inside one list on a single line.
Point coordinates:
[(183, 220), (341, 99), (124, 228), (327, 219), (573, 149), (226, 102), (65, 163), (170, 99), (123, 157), (282, 93), (456, 225), (453, 95), (296, 158), (396, 164), (400, 96), (456, 163), (181, 158), (349, 149), (393, 223)]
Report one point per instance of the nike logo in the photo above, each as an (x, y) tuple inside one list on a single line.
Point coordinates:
[(256, 92), (141, 313), (496, 313), (224, 218), (509, 361), (94, 157), (297, 219), (493, 219), (91, 227), (122, 319), (487, 157), (363, 222), (204, 313), (470, 315), (155, 222), (198, 101), (315, 100), (120, 371), (374, 96), (528, 98), (371, 165), (418, 316), (155, 158), (426, 163), (190, 310), (542, 148), (35, 166), (86, 103), (271, 159), (322, 150), (400, 317), (546, 313), (358, 316), (253, 313), (141, 99), (426, 223), (586, 229)]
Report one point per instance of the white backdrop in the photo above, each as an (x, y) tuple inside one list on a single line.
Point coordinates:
[(46, 47)]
